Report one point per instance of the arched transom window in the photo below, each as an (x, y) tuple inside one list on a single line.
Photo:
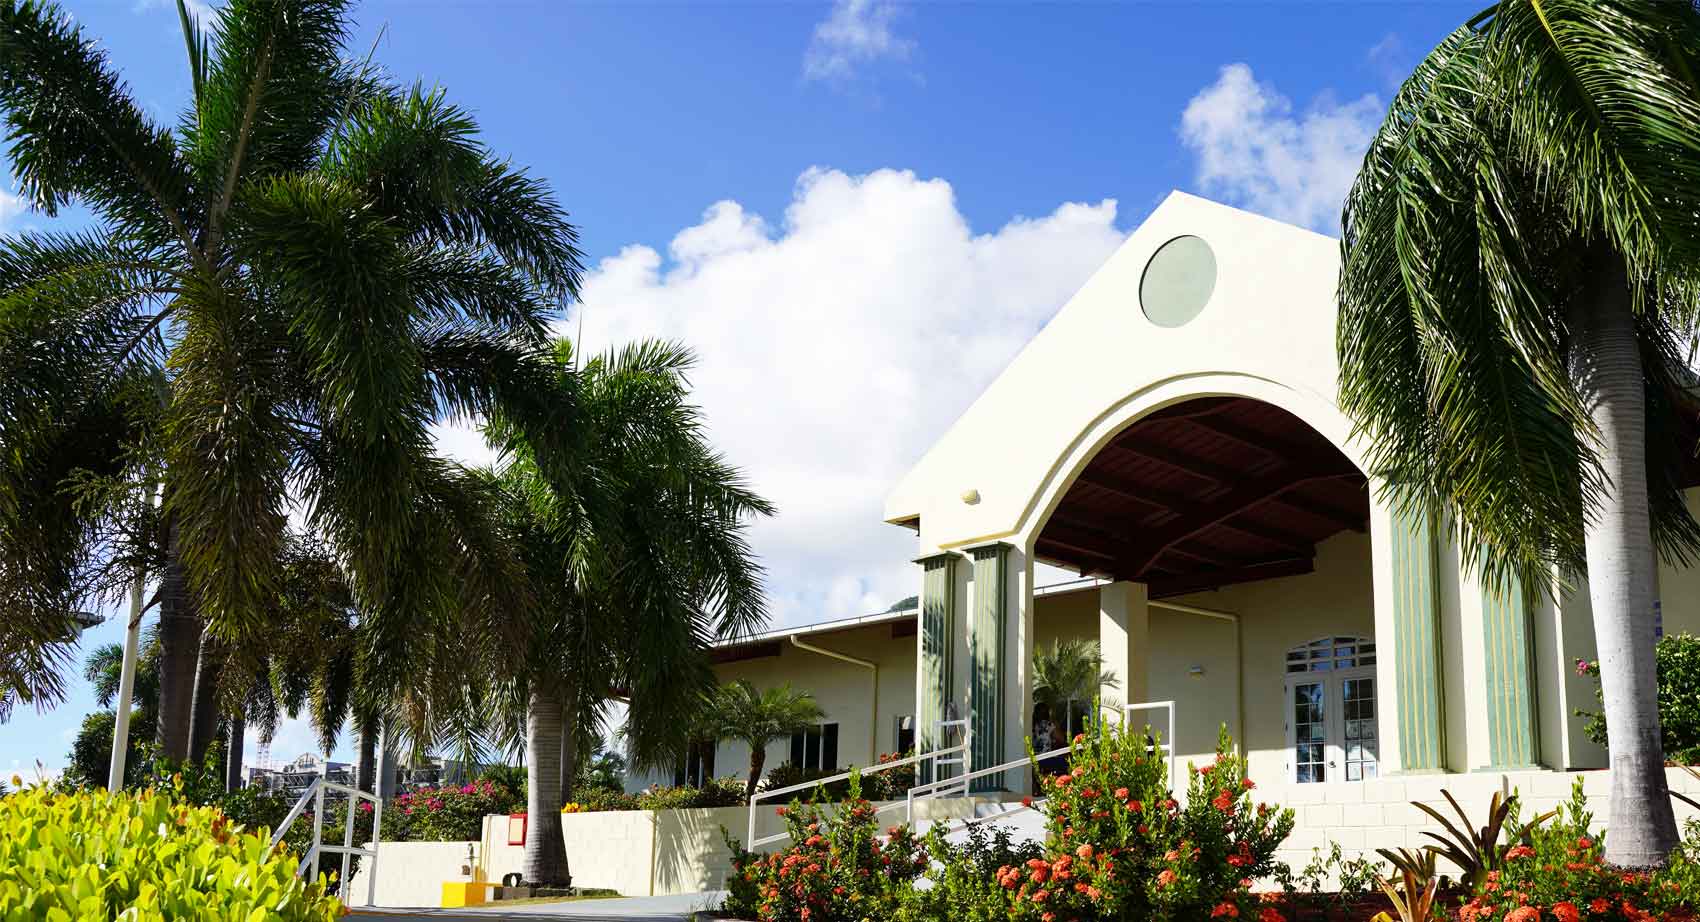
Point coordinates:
[(1331, 654)]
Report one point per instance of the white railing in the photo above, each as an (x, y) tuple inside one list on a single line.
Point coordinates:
[(950, 755), (315, 794), (1167, 744)]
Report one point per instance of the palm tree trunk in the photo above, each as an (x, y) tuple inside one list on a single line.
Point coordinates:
[(203, 711), (758, 758), (179, 652), (366, 773), (233, 752), (545, 862), (1606, 366)]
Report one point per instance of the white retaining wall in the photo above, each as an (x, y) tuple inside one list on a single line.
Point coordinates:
[(635, 852), (1365, 816)]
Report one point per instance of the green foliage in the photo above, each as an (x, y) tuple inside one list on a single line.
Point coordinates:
[(716, 792), (1069, 670), (738, 711), (148, 855), (1477, 850), (450, 813), (837, 868), (786, 774), (964, 878), (1329, 882), (1679, 698), (592, 800), (1534, 158), (1558, 872)]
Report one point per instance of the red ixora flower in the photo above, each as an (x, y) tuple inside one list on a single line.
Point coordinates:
[(1599, 906), (1566, 911), (1518, 851), (1270, 914), (1223, 802), (1225, 909), (1523, 914)]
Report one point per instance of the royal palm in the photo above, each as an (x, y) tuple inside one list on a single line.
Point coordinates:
[(634, 570), (281, 292), (1519, 284)]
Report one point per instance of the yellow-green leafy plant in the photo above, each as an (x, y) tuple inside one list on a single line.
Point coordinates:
[(145, 855)]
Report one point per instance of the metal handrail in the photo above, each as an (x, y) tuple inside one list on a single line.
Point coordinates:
[(315, 792), (1168, 740), (961, 751)]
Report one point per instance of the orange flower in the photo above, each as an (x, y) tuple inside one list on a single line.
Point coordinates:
[(1223, 802), (1225, 909), (1523, 914), (1165, 878), (1566, 911), (1599, 906), (1270, 914), (1084, 851), (1519, 851)]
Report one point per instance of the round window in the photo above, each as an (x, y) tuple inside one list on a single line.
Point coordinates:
[(1178, 281)]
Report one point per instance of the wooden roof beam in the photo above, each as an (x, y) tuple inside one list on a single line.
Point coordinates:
[(1248, 495), (1169, 586)]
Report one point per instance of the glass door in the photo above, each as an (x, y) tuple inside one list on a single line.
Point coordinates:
[(1331, 727)]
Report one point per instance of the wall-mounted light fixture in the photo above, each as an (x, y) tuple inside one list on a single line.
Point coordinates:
[(1195, 670), (971, 496)]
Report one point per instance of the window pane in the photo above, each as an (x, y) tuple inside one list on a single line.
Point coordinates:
[(797, 742), (829, 747)]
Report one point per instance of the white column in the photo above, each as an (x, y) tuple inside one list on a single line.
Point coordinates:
[(1124, 634)]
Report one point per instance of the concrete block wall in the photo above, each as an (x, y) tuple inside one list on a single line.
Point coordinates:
[(1369, 815)]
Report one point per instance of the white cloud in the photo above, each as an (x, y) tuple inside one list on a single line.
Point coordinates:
[(836, 347), (12, 207), (200, 10), (1253, 149), (854, 33)]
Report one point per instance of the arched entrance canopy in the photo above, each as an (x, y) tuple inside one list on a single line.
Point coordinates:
[(1203, 494)]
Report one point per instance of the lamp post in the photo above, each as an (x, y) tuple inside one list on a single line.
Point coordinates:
[(126, 685)]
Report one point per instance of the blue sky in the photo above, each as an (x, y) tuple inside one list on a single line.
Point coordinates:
[(856, 212)]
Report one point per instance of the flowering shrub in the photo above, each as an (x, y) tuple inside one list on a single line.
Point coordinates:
[(1562, 876), (964, 878), (95, 854), (838, 867), (451, 813), (1119, 846), (1679, 698)]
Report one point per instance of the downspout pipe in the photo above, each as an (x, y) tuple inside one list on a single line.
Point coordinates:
[(873, 667), (1239, 658)]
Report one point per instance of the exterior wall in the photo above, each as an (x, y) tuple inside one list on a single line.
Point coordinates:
[(843, 690)]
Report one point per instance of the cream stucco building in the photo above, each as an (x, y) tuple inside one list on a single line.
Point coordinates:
[(1172, 435)]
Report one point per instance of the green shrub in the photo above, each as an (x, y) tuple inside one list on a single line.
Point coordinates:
[(451, 813), (836, 869), (964, 878), (785, 774), (1679, 698), (1119, 846), (148, 855), (718, 792), (597, 799), (1557, 871)]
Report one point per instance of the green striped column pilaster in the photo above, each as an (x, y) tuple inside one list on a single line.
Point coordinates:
[(986, 659), (1508, 654), (1419, 689), (937, 633)]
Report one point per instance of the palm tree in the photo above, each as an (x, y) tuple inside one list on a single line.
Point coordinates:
[(1520, 278), (1066, 672), (284, 292), (635, 565), (758, 718)]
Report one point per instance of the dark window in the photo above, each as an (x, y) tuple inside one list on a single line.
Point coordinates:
[(698, 767), (816, 747), (905, 735)]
